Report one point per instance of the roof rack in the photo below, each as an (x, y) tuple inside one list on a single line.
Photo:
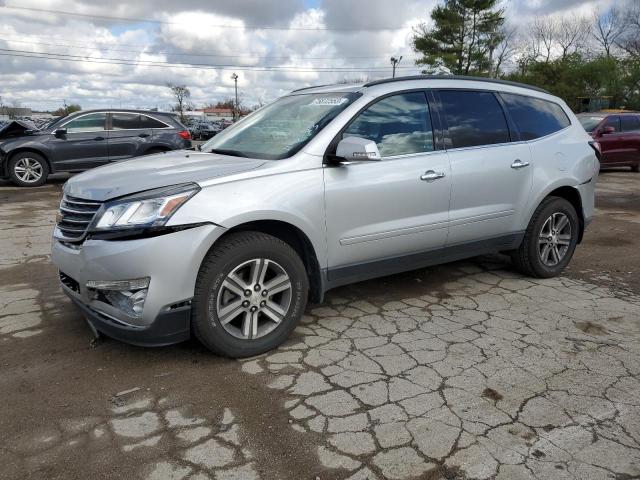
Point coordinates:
[(312, 86), (454, 77)]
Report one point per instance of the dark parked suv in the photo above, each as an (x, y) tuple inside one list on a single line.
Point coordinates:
[(618, 135), (87, 139)]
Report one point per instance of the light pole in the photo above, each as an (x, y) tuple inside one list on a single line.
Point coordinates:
[(394, 62), (235, 108)]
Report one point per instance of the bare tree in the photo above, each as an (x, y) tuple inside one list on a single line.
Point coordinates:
[(504, 51), (182, 94), (609, 27), (629, 41), (544, 33), (571, 34)]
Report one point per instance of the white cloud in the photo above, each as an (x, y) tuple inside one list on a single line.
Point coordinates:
[(362, 34)]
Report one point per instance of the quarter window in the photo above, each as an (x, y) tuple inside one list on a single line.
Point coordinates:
[(93, 122), (630, 123), (148, 122), (399, 125), (473, 118), (534, 117)]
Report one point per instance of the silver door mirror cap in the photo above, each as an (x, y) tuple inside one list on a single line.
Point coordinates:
[(357, 149)]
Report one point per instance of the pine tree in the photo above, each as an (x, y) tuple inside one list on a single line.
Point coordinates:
[(463, 37)]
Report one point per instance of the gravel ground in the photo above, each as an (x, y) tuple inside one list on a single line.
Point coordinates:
[(461, 371)]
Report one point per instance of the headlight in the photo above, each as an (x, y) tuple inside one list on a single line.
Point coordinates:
[(152, 208)]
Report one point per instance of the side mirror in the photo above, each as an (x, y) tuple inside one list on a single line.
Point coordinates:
[(199, 147), (357, 149), (61, 132), (606, 130)]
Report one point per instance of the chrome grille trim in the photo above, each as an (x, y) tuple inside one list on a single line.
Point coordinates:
[(76, 214)]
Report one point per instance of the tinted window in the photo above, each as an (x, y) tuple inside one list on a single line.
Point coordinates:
[(473, 118), (534, 117), (87, 123), (125, 121), (399, 125), (612, 122), (148, 122), (630, 123)]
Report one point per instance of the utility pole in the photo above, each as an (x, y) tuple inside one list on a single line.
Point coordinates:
[(394, 62), (235, 108)]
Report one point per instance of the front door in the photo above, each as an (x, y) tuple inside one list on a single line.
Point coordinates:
[(84, 145), (612, 144), (380, 210), (492, 177)]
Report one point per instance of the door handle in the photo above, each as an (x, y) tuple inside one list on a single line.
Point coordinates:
[(144, 135), (430, 176), (517, 163), (98, 138)]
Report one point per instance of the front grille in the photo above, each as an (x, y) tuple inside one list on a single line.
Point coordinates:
[(69, 282), (76, 214)]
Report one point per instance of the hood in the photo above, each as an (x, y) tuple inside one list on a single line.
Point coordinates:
[(17, 128), (154, 171)]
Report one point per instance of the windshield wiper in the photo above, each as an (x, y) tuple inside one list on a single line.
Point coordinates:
[(231, 153)]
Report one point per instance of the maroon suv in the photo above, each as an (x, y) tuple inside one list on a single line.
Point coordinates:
[(618, 135)]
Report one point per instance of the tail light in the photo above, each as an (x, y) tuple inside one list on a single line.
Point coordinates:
[(185, 134), (597, 148)]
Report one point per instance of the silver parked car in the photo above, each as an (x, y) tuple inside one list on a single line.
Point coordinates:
[(324, 187)]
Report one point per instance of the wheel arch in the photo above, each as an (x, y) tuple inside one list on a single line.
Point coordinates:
[(572, 195), (296, 239), (12, 153)]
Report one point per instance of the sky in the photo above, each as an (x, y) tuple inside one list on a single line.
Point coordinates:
[(122, 54)]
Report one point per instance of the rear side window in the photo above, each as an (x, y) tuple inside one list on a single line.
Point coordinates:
[(534, 117), (399, 125), (125, 121), (148, 122), (473, 118), (630, 123)]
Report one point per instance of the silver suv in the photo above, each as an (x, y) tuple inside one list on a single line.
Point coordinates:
[(324, 187)]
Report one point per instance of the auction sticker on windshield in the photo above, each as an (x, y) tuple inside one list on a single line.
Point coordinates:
[(332, 101)]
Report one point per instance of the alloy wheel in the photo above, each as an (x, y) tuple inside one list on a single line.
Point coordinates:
[(554, 239), (28, 170), (254, 298)]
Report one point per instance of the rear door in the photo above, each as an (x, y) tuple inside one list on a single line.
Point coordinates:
[(631, 137), (84, 145), (128, 136), (491, 175)]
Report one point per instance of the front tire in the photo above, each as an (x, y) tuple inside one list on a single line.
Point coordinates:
[(250, 294), (550, 239), (28, 169)]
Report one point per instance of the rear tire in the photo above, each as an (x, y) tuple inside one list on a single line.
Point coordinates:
[(28, 169), (250, 294), (550, 239)]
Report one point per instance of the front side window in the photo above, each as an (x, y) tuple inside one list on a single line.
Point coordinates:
[(94, 122), (473, 118), (399, 125), (282, 128), (630, 123), (534, 117), (614, 122)]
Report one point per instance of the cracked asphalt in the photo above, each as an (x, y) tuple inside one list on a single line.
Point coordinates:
[(461, 371)]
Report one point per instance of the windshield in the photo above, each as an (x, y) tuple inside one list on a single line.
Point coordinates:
[(282, 128), (590, 122)]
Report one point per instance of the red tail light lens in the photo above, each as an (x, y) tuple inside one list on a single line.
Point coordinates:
[(598, 149), (185, 134)]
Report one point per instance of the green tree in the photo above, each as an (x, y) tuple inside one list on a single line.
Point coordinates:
[(463, 38)]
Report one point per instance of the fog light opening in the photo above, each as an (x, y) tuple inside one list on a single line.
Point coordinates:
[(128, 296)]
